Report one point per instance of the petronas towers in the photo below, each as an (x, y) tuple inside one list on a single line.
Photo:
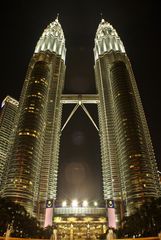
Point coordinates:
[(129, 167)]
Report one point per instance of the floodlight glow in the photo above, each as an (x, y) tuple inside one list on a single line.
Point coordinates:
[(64, 203), (85, 203), (74, 203), (95, 204)]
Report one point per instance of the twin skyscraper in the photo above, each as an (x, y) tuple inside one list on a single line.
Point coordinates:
[(129, 168)]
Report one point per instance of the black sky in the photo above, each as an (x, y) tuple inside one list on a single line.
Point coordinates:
[(137, 23)]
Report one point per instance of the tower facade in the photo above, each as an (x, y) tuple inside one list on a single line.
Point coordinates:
[(128, 162), (33, 158), (9, 108)]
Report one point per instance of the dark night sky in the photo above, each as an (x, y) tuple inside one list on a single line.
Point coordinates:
[(137, 23)]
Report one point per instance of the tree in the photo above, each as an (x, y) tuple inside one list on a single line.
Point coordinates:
[(24, 225), (146, 221), (15, 214)]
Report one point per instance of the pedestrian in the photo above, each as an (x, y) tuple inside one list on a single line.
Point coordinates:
[(8, 231), (110, 234), (54, 234)]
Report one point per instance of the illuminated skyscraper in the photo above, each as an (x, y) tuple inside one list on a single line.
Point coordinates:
[(9, 109), (33, 160), (128, 161)]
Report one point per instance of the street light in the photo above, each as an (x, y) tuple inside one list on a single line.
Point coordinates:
[(75, 203), (95, 204), (64, 203), (85, 203)]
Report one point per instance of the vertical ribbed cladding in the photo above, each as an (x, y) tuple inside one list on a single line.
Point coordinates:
[(147, 137), (107, 40), (52, 40), (25, 157), (52, 43), (56, 130), (7, 118), (128, 161), (135, 164), (36, 142), (49, 167), (110, 165)]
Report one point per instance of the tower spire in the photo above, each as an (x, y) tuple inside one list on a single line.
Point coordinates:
[(107, 39), (101, 15), (102, 19), (52, 39), (57, 17)]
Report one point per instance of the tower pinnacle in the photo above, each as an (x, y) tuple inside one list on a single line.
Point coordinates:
[(107, 39), (57, 17), (52, 39), (101, 15)]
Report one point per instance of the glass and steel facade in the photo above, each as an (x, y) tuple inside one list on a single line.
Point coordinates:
[(129, 167), (9, 108), (128, 163), (33, 159)]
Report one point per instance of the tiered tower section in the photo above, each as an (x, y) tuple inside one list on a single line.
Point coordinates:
[(33, 160), (128, 163), (8, 113)]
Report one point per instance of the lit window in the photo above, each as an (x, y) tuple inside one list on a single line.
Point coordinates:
[(131, 166)]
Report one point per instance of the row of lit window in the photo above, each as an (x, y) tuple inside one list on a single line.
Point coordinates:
[(30, 130), (20, 181), (118, 94), (41, 81), (27, 134), (36, 95), (135, 155), (32, 108)]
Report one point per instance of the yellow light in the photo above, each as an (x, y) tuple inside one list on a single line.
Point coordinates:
[(64, 203), (75, 203), (85, 203), (95, 204)]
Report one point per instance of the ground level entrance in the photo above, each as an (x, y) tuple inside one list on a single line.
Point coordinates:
[(80, 223)]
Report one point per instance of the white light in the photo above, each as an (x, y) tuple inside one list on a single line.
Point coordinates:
[(95, 204), (64, 203), (85, 203), (74, 203), (3, 103)]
